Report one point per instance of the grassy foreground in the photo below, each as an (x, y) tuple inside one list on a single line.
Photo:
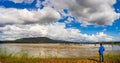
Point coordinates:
[(23, 58)]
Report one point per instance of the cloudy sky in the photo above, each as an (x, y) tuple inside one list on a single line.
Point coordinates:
[(70, 20)]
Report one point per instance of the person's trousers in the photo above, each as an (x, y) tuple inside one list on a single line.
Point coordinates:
[(101, 58)]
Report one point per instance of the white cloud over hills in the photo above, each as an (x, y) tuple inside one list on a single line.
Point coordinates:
[(54, 31), (21, 23)]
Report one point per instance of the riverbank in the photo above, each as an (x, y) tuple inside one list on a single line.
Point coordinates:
[(25, 59), (58, 50), (57, 53)]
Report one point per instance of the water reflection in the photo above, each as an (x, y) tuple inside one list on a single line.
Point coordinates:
[(59, 50)]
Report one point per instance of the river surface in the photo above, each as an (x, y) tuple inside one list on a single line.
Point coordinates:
[(58, 50)]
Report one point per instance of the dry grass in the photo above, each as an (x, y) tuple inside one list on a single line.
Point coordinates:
[(48, 60), (25, 59)]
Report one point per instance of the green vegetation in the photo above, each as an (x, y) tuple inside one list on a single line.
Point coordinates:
[(48, 40), (24, 58), (113, 58)]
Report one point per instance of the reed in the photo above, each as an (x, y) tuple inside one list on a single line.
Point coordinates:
[(23, 57)]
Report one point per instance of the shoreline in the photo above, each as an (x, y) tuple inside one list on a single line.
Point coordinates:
[(57, 50)]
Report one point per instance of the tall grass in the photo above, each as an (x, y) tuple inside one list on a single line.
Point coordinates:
[(23, 57), (113, 58)]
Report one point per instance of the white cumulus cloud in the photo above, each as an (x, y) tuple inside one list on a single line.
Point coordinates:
[(98, 12), (21, 23), (22, 1), (54, 31), (23, 16)]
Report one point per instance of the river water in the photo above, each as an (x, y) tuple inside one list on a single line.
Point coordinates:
[(58, 50)]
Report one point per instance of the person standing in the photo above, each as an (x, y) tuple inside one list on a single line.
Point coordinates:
[(101, 52)]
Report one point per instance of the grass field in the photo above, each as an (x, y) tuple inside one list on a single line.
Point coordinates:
[(23, 58)]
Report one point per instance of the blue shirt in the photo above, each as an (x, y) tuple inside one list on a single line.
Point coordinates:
[(101, 50)]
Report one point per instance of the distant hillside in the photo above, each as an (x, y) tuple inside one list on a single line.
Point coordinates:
[(48, 40), (34, 40), (37, 39)]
